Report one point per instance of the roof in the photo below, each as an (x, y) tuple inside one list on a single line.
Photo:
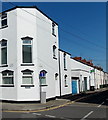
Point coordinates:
[(64, 51), (82, 62), (29, 7)]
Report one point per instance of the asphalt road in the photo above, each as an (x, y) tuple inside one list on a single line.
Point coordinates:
[(94, 107)]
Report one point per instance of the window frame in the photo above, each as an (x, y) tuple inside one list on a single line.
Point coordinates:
[(56, 76), (54, 52), (53, 29), (8, 76), (2, 47), (3, 18), (64, 61), (25, 44), (44, 75), (65, 81), (27, 75)]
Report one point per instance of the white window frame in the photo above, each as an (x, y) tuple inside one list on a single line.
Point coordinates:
[(54, 52), (65, 81), (5, 18), (27, 75), (64, 58), (1, 51), (53, 29), (25, 39), (8, 76), (43, 76)]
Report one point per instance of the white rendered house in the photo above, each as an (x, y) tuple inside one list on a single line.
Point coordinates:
[(81, 76), (29, 55), (31, 63), (65, 73)]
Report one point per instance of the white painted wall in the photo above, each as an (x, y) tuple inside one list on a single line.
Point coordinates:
[(10, 34), (22, 24), (68, 89), (81, 70)]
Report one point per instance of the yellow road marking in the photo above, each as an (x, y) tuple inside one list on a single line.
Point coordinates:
[(46, 109)]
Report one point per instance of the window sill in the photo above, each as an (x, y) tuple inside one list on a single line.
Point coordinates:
[(29, 64), (65, 69), (4, 66), (43, 85), (27, 85), (7, 85), (55, 58), (4, 26), (53, 34)]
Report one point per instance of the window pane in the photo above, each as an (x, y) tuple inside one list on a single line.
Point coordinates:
[(27, 41), (4, 43), (27, 80), (4, 22), (7, 80), (4, 73), (27, 54), (4, 15), (4, 55), (10, 73), (43, 80), (27, 73)]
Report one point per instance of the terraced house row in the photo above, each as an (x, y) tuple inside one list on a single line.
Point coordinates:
[(32, 67)]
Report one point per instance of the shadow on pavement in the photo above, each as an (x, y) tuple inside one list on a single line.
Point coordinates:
[(94, 98)]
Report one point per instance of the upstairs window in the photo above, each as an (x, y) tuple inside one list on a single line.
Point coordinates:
[(4, 52), (64, 61), (27, 78), (27, 50), (53, 29), (7, 77), (3, 20), (54, 51)]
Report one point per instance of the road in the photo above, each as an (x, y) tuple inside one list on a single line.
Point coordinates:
[(94, 107)]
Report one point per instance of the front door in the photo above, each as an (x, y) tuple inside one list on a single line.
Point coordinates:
[(74, 87)]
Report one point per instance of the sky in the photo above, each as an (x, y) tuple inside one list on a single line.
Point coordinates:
[(82, 27)]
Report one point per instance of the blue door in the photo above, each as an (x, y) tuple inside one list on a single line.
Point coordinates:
[(74, 87)]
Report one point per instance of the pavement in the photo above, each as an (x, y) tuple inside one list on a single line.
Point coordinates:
[(7, 106)]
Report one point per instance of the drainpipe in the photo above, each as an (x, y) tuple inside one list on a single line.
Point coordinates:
[(59, 72)]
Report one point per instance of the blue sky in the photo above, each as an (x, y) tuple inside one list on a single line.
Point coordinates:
[(82, 27)]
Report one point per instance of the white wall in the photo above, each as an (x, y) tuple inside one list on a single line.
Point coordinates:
[(21, 24), (68, 89), (81, 70), (10, 34)]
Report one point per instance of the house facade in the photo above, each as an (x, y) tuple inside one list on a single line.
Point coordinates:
[(29, 55), (81, 75), (32, 67)]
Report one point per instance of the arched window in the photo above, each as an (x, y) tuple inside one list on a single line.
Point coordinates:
[(27, 50), (7, 77), (65, 81), (3, 52), (54, 51), (56, 76), (42, 76), (27, 77)]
